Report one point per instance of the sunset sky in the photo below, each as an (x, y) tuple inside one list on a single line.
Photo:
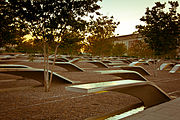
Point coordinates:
[(128, 12)]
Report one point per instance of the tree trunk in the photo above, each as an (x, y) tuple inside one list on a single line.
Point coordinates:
[(45, 68), (52, 68)]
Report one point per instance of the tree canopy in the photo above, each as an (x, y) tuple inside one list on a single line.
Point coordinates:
[(48, 21), (162, 30), (140, 49), (71, 43), (119, 49), (100, 30), (10, 31)]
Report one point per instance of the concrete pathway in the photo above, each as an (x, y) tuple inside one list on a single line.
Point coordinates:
[(165, 111)]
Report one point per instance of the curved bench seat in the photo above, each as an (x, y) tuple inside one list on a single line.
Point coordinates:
[(166, 66), (13, 66), (175, 69), (36, 74), (124, 74), (146, 91), (98, 64), (69, 66), (138, 69), (138, 63)]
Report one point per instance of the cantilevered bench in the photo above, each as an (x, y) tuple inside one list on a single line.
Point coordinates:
[(166, 66), (138, 63), (138, 69), (11, 61), (124, 74), (116, 64), (13, 66), (175, 69), (36, 74), (74, 60), (98, 64), (69, 66), (151, 61), (106, 61), (6, 57), (125, 61), (62, 59), (147, 92)]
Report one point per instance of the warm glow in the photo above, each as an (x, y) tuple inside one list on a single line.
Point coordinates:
[(27, 37)]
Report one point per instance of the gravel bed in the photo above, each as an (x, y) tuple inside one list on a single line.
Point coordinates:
[(25, 99)]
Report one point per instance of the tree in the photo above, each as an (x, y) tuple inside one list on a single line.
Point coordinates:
[(161, 31), (140, 49), (48, 20), (30, 47), (100, 31), (99, 47), (119, 49), (10, 34), (71, 44)]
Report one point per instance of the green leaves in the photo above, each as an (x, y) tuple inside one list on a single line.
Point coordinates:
[(119, 49), (100, 30), (161, 29), (10, 29), (48, 17)]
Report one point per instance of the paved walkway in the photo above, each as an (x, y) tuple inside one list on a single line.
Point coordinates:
[(166, 111)]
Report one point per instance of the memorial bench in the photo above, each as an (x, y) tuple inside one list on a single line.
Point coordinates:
[(138, 69), (69, 66), (98, 64), (6, 57), (124, 74), (75, 60), (125, 61), (62, 59), (36, 74), (175, 69), (138, 63), (106, 61), (13, 66), (166, 66), (146, 91), (116, 64), (66, 65), (65, 60)]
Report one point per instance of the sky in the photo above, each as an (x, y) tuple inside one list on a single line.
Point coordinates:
[(128, 12)]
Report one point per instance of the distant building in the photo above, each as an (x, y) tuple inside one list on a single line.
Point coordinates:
[(128, 39)]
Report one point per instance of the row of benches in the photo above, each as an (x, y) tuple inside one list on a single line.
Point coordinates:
[(171, 67), (133, 83)]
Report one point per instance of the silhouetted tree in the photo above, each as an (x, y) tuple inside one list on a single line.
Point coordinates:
[(48, 20), (140, 49), (10, 32), (71, 44), (161, 31), (100, 31), (119, 49)]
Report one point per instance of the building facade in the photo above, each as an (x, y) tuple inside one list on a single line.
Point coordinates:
[(128, 39)]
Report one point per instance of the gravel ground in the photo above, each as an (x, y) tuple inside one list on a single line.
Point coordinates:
[(24, 99)]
